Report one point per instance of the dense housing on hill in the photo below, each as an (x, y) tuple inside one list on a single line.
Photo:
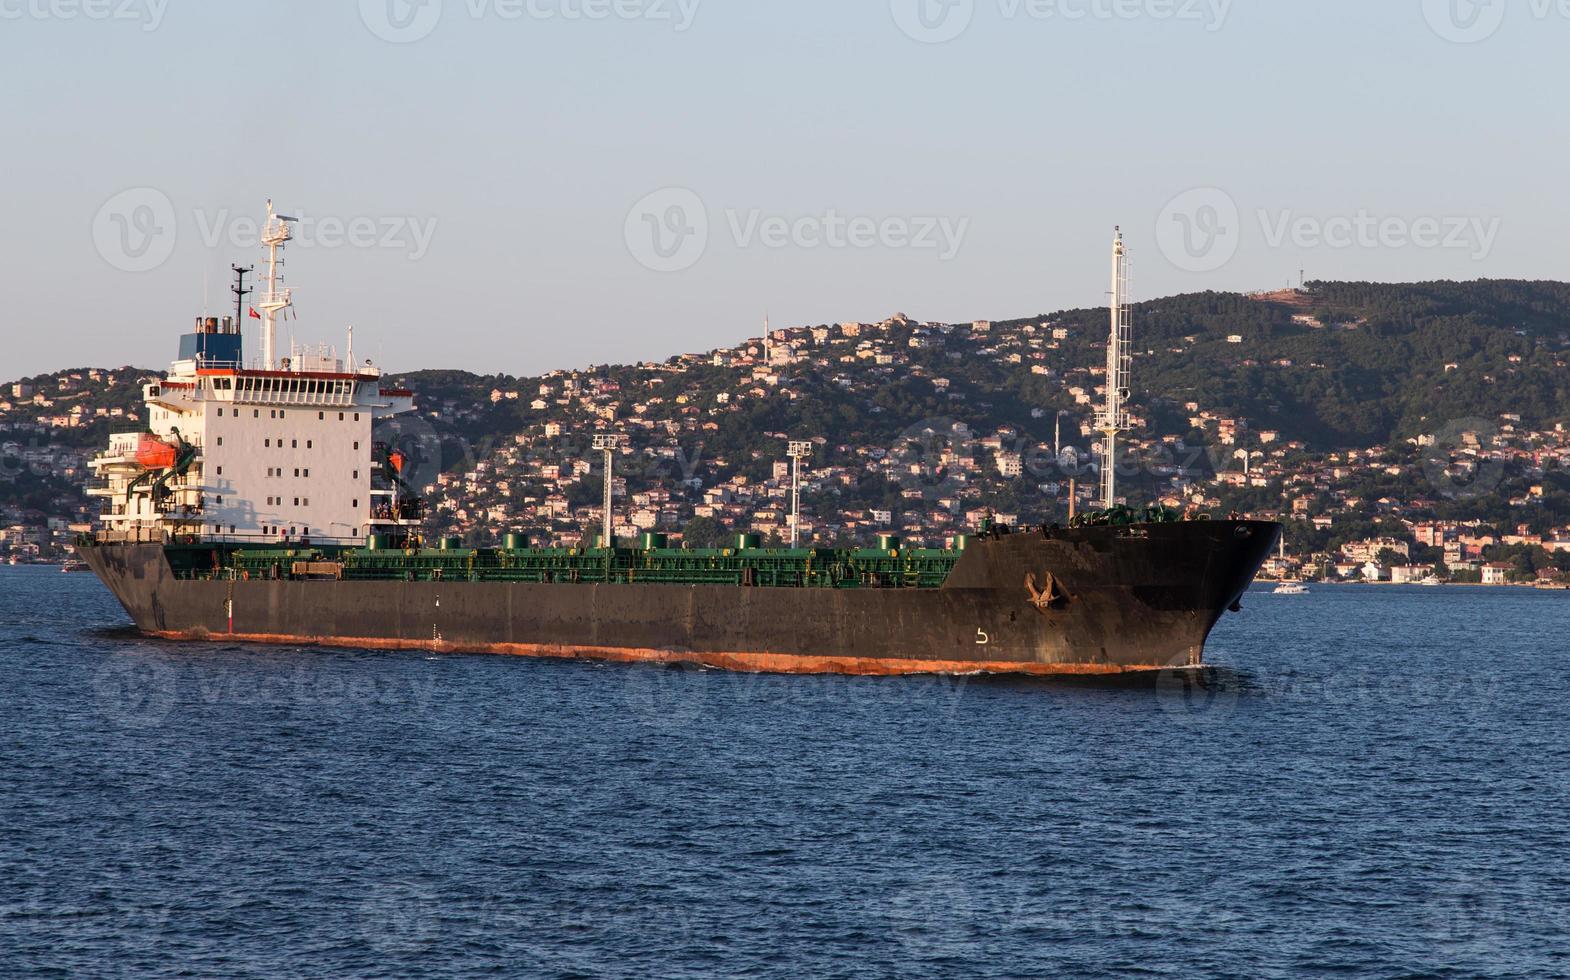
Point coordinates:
[(1355, 411)]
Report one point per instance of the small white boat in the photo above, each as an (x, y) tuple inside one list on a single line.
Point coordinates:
[(1291, 588)]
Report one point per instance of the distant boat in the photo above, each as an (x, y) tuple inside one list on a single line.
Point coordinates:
[(1291, 588), (74, 565)]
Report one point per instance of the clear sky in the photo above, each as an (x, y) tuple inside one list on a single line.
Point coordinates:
[(520, 185)]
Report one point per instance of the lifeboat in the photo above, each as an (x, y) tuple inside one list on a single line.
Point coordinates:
[(154, 454)]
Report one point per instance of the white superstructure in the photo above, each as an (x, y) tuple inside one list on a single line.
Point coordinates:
[(277, 450)]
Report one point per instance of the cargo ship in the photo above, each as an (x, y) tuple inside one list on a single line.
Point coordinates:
[(258, 507)]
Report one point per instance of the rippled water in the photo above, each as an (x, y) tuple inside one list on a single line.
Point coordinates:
[(1374, 782)]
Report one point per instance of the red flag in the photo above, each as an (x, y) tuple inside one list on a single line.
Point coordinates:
[(255, 315)]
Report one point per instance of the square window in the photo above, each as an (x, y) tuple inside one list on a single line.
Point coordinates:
[(256, 413), (308, 444), (320, 416), (267, 443), (294, 444)]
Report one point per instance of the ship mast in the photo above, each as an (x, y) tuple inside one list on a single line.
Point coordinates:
[(275, 235), (1114, 417)]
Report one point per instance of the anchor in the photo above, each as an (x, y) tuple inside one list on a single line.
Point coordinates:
[(1050, 597)]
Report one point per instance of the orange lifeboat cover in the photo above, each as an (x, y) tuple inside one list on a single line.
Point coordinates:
[(154, 454)]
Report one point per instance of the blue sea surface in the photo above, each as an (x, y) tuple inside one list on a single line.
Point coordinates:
[(1373, 782)]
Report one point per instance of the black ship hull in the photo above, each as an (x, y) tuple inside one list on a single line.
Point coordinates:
[(1102, 600)]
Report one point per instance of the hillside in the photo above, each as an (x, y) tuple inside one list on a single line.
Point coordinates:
[(923, 426)]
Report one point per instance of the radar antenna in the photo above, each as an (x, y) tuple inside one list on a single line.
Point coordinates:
[(275, 235)]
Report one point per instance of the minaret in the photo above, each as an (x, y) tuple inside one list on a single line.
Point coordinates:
[(275, 235), (1114, 417)]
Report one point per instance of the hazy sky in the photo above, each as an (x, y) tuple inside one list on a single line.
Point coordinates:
[(519, 185)]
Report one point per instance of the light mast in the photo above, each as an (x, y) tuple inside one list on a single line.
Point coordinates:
[(1113, 418), (275, 235)]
